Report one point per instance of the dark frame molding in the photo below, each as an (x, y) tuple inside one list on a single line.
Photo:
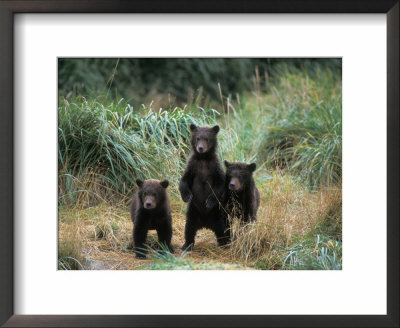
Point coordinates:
[(7, 10)]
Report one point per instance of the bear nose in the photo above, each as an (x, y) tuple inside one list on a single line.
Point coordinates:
[(148, 204), (201, 148), (232, 185)]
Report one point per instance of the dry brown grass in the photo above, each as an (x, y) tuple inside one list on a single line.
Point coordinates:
[(103, 233), (89, 189), (287, 212), (70, 244)]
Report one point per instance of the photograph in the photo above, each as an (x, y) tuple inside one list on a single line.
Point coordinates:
[(157, 150), (199, 163)]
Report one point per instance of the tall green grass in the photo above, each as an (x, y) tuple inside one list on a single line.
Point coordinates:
[(144, 79), (105, 145), (103, 148), (303, 127)]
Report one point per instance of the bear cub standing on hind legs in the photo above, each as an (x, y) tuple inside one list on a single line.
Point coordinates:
[(242, 197), (202, 186), (150, 210)]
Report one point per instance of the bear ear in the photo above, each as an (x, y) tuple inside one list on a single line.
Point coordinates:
[(164, 183), (215, 129), (252, 167), (193, 127), (227, 164), (139, 183)]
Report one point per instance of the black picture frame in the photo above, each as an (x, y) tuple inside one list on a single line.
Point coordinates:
[(11, 7)]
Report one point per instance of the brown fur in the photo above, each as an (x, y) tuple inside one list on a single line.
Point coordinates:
[(150, 210), (242, 198), (202, 186)]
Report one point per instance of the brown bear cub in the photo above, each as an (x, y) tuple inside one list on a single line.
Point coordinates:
[(150, 210), (202, 186), (242, 198)]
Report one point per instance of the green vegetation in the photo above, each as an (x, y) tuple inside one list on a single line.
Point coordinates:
[(103, 148), (325, 255), (69, 254), (291, 126), (164, 260), (182, 81), (319, 253), (304, 129)]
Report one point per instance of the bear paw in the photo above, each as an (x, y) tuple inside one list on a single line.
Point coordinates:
[(187, 197), (211, 201)]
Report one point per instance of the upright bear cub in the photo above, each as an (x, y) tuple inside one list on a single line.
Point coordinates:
[(150, 210), (242, 196), (202, 185)]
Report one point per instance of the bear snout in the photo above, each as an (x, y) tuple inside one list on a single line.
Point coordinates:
[(201, 147), (234, 184), (149, 202)]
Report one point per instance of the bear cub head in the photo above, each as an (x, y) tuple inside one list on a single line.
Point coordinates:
[(152, 193), (204, 139), (238, 175)]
